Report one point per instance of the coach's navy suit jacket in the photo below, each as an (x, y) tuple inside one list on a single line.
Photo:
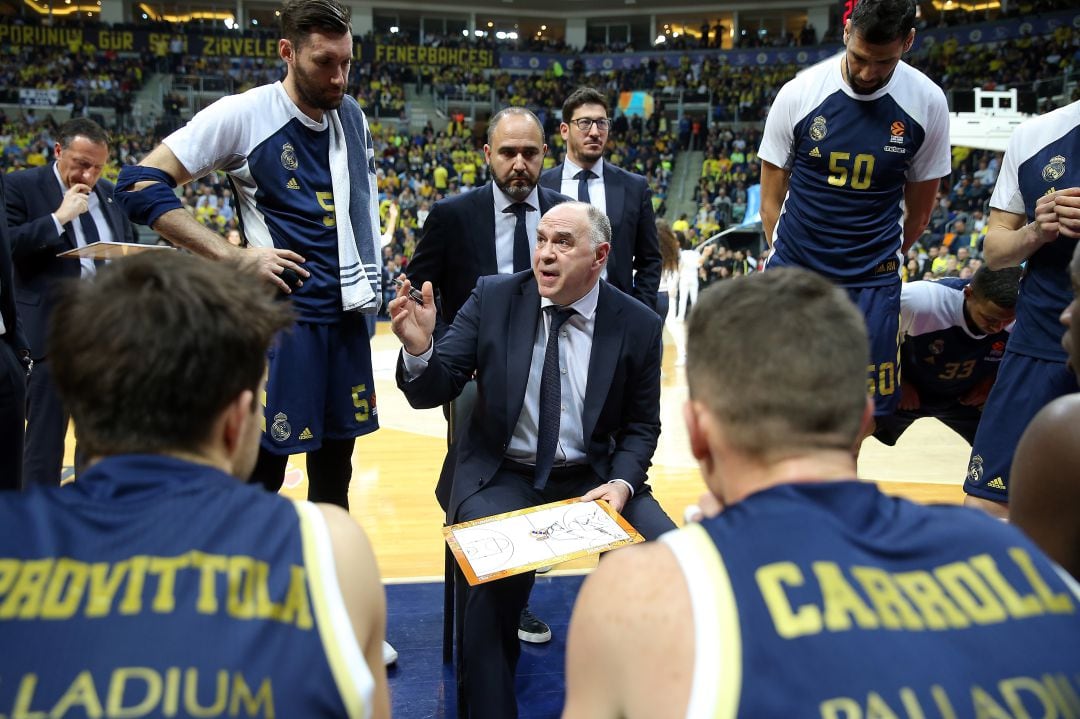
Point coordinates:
[(493, 335), (635, 244), (14, 333), (457, 246), (32, 196)]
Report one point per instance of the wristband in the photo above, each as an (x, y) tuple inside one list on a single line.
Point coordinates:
[(147, 205)]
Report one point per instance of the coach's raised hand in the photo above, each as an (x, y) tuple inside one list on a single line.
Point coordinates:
[(413, 322)]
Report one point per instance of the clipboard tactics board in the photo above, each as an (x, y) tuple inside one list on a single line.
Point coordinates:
[(503, 545), (111, 250)]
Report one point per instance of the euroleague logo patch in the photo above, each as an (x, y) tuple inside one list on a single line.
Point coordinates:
[(896, 133)]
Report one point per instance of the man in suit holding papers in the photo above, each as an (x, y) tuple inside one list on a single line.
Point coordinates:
[(568, 373), (52, 209)]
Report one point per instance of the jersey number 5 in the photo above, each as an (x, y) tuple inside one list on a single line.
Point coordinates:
[(360, 402), (859, 172), (326, 201)]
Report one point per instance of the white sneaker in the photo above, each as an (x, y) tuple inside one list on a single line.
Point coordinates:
[(389, 654), (531, 629)]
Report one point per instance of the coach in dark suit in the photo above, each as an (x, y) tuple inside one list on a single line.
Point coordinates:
[(573, 413), (487, 231), (634, 264), (14, 356), (475, 234), (50, 209)]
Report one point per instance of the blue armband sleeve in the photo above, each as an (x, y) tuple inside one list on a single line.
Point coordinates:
[(147, 205)]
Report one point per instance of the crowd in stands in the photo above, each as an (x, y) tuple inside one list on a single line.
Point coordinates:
[(84, 78), (489, 41), (1019, 64), (731, 93), (418, 167), (956, 15)]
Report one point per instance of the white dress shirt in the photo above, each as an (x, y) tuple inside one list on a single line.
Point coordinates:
[(506, 224), (575, 350), (597, 193)]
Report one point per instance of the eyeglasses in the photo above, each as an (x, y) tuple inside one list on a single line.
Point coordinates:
[(584, 124)]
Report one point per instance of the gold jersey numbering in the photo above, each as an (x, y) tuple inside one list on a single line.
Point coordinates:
[(856, 173), (881, 379), (326, 202)]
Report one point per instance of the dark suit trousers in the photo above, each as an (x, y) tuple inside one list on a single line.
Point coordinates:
[(46, 429), (12, 414), (490, 646)]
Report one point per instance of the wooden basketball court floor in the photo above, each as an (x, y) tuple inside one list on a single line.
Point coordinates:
[(395, 469)]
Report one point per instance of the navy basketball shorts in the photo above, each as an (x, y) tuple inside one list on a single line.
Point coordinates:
[(881, 308), (320, 385), (1024, 386)]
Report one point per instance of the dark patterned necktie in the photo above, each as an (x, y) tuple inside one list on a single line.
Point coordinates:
[(89, 228), (90, 233), (547, 435), (583, 178), (522, 248)]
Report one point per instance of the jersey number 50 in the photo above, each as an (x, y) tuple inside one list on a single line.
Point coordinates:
[(859, 172), (881, 379)]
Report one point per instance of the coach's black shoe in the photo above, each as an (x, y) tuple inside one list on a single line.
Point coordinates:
[(531, 629)]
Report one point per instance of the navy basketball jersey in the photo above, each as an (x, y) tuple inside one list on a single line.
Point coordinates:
[(940, 355), (158, 587), (277, 159), (850, 157), (834, 600), (1043, 156)]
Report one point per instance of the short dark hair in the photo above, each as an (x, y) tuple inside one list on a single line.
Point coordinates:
[(513, 110), (148, 352), (300, 18), (880, 22), (583, 96), (779, 358), (1002, 287), (81, 126)]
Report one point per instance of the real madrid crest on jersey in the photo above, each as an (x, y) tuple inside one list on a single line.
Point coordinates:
[(288, 157), (281, 430), (975, 469), (1054, 169), (818, 129)]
